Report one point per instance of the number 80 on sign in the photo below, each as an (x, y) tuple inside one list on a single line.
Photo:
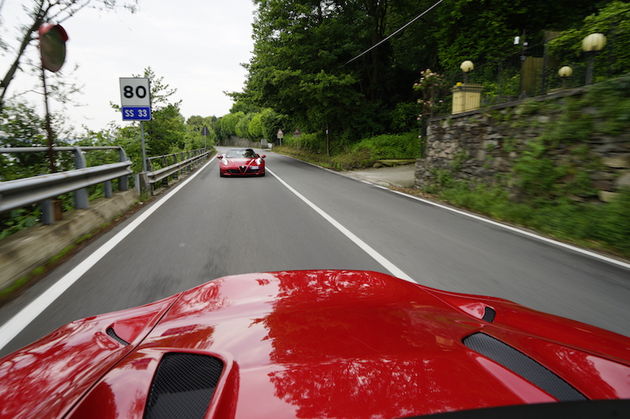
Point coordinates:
[(135, 98)]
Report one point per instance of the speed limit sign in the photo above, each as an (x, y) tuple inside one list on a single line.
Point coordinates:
[(135, 98)]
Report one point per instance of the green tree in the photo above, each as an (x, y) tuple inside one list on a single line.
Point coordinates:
[(166, 132), (614, 22), (226, 125), (21, 126), (42, 11), (242, 126), (302, 68), (255, 128)]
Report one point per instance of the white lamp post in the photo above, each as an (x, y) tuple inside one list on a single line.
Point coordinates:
[(565, 72), (591, 45), (467, 66)]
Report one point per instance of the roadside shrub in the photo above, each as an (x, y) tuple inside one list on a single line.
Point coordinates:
[(591, 224), (389, 146), (307, 142), (612, 222), (367, 151), (405, 116), (355, 160), (613, 20)]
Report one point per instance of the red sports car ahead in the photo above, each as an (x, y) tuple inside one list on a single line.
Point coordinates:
[(320, 344), (241, 162)]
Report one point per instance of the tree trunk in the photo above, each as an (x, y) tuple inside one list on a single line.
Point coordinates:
[(37, 22)]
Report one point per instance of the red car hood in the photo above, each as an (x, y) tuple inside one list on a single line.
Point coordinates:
[(338, 344)]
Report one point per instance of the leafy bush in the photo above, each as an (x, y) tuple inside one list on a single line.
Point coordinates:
[(405, 116), (614, 22), (604, 226), (388, 146), (354, 160), (308, 142), (369, 150), (554, 172), (242, 126), (541, 176)]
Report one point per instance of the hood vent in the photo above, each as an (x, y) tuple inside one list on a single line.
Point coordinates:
[(183, 386), (112, 333), (523, 365), (489, 314)]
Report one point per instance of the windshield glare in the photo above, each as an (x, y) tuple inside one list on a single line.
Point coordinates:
[(246, 153)]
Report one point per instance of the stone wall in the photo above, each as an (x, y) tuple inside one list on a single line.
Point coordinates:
[(483, 145)]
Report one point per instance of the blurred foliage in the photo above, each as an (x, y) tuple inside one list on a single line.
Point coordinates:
[(404, 117), (307, 142), (301, 65), (302, 50), (359, 155), (600, 226), (551, 184), (613, 21), (603, 110), (255, 126)]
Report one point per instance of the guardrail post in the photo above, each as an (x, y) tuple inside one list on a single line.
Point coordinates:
[(136, 182), (123, 181), (165, 164), (107, 188), (81, 195), (48, 213), (177, 158)]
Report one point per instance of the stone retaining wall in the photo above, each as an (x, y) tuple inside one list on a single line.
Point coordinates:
[(481, 146)]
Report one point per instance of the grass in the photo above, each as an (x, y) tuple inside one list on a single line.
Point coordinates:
[(360, 155), (8, 291), (602, 227), (15, 286)]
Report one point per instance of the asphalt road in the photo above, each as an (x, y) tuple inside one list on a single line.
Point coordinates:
[(218, 226)]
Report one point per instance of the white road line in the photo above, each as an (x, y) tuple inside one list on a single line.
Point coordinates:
[(522, 232), (516, 230), (393, 269), (24, 317)]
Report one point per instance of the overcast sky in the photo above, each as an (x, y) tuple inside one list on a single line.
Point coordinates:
[(197, 45)]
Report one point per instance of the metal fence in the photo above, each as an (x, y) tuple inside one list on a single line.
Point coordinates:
[(531, 71), (160, 168), (41, 189)]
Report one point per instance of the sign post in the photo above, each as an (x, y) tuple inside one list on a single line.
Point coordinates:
[(204, 132), (135, 105), (280, 135)]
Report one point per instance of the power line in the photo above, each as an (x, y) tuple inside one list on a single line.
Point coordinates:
[(395, 32)]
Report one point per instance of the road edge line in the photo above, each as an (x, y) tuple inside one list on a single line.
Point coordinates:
[(14, 326)]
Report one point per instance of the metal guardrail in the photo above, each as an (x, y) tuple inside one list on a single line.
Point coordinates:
[(182, 161), (40, 189)]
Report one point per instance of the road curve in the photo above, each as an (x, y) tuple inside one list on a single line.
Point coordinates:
[(218, 226)]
